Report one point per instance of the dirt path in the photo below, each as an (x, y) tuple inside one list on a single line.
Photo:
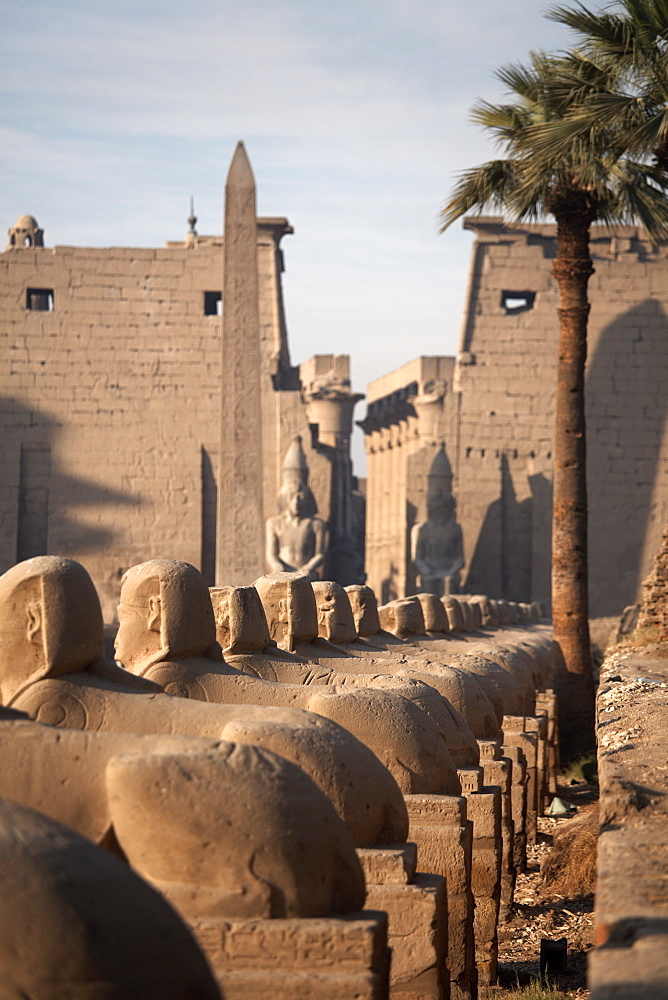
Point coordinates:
[(542, 913)]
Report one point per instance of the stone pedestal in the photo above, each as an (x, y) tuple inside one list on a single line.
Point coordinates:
[(497, 770), (440, 828), (518, 799), (323, 958), (483, 807), (538, 725), (546, 701), (416, 907), (514, 735)]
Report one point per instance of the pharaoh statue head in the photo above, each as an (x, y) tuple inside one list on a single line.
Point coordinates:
[(295, 495), (164, 613), (364, 608), (440, 501)]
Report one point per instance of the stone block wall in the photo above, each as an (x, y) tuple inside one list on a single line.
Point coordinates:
[(506, 376), (497, 421), (111, 398)]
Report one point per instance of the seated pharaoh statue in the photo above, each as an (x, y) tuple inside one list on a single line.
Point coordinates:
[(174, 644), (221, 829), (51, 667), (78, 924), (296, 540), (436, 544)]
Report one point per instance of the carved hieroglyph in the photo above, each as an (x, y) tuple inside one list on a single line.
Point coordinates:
[(240, 514)]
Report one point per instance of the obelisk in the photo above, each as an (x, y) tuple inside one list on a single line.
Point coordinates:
[(240, 558)]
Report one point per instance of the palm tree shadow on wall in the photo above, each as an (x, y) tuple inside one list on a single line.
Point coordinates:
[(626, 401), (37, 492), (511, 558)]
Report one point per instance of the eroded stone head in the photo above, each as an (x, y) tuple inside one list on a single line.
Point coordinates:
[(241, 624), (289, 605), (402, 617), (454, 612), (51, 623), (435, 617), (165, 613), (364, 608), (335, 616), (249, 834)]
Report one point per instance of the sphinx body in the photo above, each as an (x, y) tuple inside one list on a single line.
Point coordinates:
[(51, 667)]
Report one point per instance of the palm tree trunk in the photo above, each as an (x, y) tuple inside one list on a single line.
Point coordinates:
[(570, 602)]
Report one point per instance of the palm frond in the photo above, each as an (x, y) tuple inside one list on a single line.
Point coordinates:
[(489, 185)]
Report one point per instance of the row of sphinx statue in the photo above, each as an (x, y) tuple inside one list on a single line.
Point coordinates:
[(238, 748)]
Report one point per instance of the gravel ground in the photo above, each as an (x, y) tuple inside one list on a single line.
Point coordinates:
[(541, 914)]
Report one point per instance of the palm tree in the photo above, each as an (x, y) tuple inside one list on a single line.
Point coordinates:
[(590, 179), (627, 44)]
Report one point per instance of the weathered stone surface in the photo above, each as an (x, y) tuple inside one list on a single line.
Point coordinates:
[(495, 411), (78, 923), (439, 826), (332, 959), (240, 548), (654, 606), (631, 915)]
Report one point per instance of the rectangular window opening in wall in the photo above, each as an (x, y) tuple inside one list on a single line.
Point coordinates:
[(213, 303), (39, 299), (517, 302)]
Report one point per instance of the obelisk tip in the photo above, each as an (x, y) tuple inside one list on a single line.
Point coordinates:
[(240, 174)]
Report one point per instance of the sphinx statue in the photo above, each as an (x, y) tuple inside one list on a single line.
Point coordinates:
[(78, 924), (167, 633), (307, 618), (243, 633), (436, 544), (51, 667), (296, 539)]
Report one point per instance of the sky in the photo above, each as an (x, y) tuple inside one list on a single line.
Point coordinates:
[(354, 113)]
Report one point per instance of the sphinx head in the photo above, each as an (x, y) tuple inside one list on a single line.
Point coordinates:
[(403, 617), (365, 609), (435, 617), (335, 616), (454, 612), (165, 613), (51, 622), (289, 604), (241, 624)]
